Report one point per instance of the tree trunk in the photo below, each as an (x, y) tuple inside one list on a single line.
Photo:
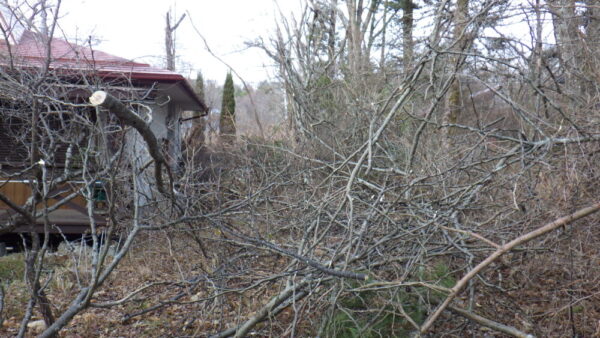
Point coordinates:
[(592, 47), (331, 39), (407, 33), (566, 36), (454, 100), (170, 40), (33, 281), (355, 37)]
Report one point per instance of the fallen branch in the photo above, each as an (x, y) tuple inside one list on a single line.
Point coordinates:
[(509, 330), (501, 251), (272, 308), (310, 262), (472, 234), (113, 105)]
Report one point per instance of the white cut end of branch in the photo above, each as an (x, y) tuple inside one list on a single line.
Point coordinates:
[(98, 98)]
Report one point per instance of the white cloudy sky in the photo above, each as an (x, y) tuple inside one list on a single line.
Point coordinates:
[(135, 29)]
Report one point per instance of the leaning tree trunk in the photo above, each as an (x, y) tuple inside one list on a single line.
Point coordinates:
[(116, 107)]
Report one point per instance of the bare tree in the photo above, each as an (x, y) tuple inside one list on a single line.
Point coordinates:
[(170, 39), (60, 151)]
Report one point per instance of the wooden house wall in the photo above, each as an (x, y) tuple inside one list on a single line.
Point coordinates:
[(19, 191)]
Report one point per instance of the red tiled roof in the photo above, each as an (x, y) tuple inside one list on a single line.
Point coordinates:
[(31, 46), (30, 50)]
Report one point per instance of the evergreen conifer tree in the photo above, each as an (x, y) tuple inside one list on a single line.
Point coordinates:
[(228, 107)]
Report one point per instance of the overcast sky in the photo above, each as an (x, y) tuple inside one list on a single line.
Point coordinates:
[(135, 29)]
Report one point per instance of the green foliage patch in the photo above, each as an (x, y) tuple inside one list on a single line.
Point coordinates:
[(12, 267), (373, 313)]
